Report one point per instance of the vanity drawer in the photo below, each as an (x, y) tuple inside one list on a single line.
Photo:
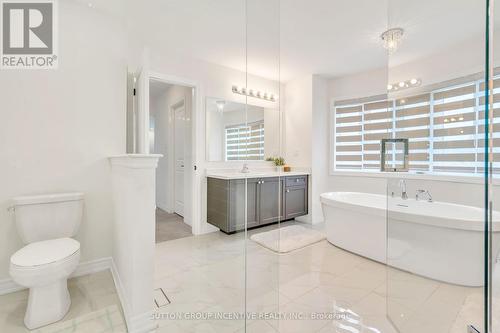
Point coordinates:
[(296, 181)]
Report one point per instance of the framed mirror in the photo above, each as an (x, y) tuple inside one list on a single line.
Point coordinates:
[(239, 132), (394, 155)]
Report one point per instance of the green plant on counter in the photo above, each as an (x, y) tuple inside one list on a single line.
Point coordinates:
[(279, 161), (270, 159)]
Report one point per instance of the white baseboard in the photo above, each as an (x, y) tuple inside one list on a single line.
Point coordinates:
[(89, 267), (120, 290), (164, 208), (143, 323), (8, 286)]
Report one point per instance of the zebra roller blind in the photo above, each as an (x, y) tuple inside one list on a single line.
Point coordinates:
[(245, 141), (445, 128)]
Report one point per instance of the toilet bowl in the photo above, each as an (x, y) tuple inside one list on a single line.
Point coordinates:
[(44, 267), (46, 224)]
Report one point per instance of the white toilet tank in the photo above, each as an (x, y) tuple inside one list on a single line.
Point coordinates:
[(48, 216)]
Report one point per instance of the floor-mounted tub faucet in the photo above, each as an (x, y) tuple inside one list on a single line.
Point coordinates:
[(402, 186)]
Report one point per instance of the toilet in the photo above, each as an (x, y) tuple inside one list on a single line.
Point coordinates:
[(46, 224)]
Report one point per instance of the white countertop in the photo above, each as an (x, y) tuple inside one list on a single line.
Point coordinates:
[(256, 174)]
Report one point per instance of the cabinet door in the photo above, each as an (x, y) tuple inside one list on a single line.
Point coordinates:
[(252, 203), (237, 204), (270, 200), (295, 201)]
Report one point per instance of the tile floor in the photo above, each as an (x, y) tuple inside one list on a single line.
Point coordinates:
[(95, 307), (320, 288), (205, 275), (170, 227)]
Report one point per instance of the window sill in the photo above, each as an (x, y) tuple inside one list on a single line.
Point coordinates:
[(415, 176)]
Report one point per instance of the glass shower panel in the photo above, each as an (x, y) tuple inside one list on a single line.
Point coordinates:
[(199, 276), (435, 211), (264, 182), (491, 148)]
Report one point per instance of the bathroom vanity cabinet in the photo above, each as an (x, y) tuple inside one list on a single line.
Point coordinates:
[(268, 200)]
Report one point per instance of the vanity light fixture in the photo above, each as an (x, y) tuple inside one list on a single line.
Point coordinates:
[(391, 39), (411, 83), (255, 93)]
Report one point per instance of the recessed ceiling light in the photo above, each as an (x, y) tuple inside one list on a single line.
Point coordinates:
[(220, 105), (91, 5)]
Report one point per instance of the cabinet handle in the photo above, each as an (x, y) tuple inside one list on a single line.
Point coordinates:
[(297, 180), (262, 182), (287, 191)]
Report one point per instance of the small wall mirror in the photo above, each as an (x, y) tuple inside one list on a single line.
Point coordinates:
[(239, 132), (394, 155)]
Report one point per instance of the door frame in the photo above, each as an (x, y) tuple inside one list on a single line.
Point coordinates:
[(196, 108)]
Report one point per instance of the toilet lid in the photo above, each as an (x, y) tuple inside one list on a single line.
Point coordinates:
[(45, 252)]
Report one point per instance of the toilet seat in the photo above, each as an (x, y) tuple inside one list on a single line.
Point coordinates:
[(45, 252), (41, 263)]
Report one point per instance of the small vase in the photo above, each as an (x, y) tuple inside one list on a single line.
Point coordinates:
[(280, 168)]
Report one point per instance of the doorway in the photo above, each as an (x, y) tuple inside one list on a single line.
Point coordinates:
[(170, 133)]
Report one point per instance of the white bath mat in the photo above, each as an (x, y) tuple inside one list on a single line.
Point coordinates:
[(287, 239), (106, 320)]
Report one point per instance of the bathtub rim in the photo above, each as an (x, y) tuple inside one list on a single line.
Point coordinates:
[(408, 217)]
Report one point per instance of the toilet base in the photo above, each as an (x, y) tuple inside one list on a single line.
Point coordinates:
[(47, 304)]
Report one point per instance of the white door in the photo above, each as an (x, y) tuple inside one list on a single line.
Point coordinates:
[(179, 137)]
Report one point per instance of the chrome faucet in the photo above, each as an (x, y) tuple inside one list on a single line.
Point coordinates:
[(245, 168), (423, 192), (402, 186)]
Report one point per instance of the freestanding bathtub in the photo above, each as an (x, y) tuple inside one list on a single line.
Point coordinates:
[(439, 240)]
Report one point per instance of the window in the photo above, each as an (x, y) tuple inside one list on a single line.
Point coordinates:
[(245, 141), (445, 128)]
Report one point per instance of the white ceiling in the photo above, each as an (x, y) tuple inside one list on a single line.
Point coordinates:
[(289, 38)]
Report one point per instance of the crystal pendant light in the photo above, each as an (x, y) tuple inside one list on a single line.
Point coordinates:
[(391, 39)]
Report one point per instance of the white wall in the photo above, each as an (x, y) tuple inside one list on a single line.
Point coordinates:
[(320, 144), (59, 127), (306, 135), (272, 133), (298, 122)]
